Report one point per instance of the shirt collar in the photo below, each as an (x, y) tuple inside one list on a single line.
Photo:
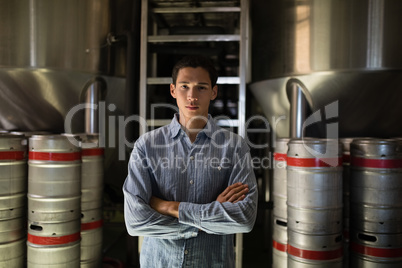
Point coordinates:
[(208, 130)]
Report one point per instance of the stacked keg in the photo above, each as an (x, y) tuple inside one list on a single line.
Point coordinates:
[(279, 227), (314, 203), (54, 200), (376, 203), (91, 202), (13, 175)]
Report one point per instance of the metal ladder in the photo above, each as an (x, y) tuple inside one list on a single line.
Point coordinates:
[(155, 13)]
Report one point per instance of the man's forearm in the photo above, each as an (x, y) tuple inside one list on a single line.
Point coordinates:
[(169, 208)]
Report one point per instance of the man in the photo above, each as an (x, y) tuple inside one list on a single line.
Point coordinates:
[(190, 185)]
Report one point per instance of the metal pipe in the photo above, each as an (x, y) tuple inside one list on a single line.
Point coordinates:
[(93, 94), (298, 108)]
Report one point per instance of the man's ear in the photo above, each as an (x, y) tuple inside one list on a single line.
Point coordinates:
[(173, 90), (214, 92)]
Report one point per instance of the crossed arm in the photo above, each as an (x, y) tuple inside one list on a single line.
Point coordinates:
[(233, 194)]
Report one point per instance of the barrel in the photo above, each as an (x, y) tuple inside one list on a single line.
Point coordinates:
[(91, 202), (279, 226), (54, 200), (314, 202), (13, 188), (279, 243), (307, 251), (91, 238), (376, 203), (12, 254)]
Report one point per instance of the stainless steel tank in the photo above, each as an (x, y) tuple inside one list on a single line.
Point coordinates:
[(345, 52)]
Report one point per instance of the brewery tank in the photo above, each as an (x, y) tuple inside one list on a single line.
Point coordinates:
[(341, 52)]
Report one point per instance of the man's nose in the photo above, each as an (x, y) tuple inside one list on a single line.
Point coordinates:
[(192, 94)]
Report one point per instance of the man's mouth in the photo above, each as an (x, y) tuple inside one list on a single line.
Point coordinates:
[(191, 107)]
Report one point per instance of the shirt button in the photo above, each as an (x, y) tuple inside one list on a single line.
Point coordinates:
[(191, 182), (192, 157), (219, 168), (186, 252)]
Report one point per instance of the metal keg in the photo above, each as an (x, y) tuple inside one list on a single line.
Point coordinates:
[(279, 226), (314, 186), (280, 179), (376, 186), (13, 187), (376, 203), (65, 255), (54, 199), (13, 254), (306, 251), (92, 178), (376, 250), (91, 236), (314, 202), (91, 201), (279, 244)]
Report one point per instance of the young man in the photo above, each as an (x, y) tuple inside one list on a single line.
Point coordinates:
[(190, 184)]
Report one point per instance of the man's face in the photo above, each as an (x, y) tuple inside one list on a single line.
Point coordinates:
[(193, 92)]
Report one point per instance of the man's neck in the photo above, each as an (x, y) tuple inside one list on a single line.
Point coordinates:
[(193, 126)]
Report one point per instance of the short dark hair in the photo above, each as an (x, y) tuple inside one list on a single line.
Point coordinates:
[(195, 61)]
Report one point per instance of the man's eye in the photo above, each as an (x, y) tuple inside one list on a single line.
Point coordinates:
[(202, 88)]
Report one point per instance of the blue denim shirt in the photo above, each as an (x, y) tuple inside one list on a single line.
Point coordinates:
[(166, 164)]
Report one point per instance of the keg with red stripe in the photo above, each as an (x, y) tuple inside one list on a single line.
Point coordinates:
[(91, 202), (376, 203), (13, 187), (279, 226), (54, 198), (314, 194)]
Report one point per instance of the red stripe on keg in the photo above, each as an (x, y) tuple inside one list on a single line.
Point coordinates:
[(315, 255), (92, 152), (91, 225), (313, 162), (376, 163), (12, 155), (279, 246), (55, 156), (59, 240), (280, 157), (376, 252)]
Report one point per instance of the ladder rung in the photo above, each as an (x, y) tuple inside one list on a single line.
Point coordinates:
[(195, 9), (194, 38)]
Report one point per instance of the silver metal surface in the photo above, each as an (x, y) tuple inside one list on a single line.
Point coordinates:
[(45, 256), (69, 35), (341, 50), (375, 192), (298, 109), (385, 242), (314, 193), (13, 254), (317, 243)]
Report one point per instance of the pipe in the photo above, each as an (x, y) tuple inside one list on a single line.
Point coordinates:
[(298, 108), (94, 91)]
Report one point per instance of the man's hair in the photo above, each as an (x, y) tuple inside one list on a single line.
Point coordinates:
[(194, 62)]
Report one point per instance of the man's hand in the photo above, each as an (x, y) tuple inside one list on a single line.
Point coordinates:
[(169, 208), (233, 193)]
